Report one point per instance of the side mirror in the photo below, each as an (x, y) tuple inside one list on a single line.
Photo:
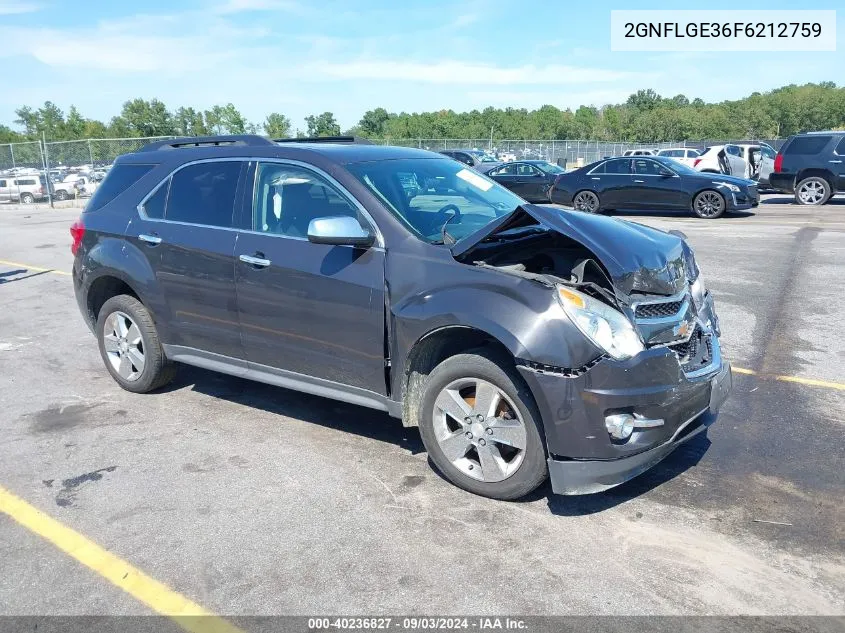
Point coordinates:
[(339, 231), (666, 174)]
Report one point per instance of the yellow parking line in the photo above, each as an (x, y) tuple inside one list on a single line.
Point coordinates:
[(160, 598), (812, 382), (35, 268)]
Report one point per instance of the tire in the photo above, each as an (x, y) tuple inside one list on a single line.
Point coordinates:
[(486, 467), (27, 198), (709, 204), (61, 194), (813, 191), (586, 201), (146, 371)]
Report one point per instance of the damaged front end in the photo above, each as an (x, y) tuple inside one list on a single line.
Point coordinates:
[(636, 293)]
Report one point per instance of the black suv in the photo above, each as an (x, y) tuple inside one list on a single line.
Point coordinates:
[(812, 166), (524, 341)]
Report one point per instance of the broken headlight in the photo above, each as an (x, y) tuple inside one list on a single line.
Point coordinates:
[(609, 329)]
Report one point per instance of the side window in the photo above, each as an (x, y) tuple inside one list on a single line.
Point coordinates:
[(691, 153), (154, 206), (526, 170), (733, 150), (599, 169), (767, 151), (840, 149), (807, 145), (120, 178), (288, 197), (466, 159), (618, 166), (506, 170), (3, 183), (204, 193)]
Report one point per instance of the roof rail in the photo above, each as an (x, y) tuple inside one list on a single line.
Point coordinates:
[(207, 141), (358, 140)]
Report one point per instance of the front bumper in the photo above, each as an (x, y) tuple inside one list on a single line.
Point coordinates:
[(582, 456)]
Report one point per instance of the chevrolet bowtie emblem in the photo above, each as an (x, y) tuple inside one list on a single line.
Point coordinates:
[(683, 329)]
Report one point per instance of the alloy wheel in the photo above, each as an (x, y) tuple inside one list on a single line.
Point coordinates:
[(586, 201), (709, 204), (124, 346), (812, 192), (479, 429)]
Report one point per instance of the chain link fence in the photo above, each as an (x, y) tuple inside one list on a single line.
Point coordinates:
[(64, 160)]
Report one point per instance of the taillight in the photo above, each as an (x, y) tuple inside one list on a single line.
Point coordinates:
[(778, 163), (77, 231), (695, 162)]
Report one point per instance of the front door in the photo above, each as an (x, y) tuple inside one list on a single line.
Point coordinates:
[(313, 309), (654, 185)]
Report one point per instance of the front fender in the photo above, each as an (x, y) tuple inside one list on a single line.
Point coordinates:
[(521, 314)]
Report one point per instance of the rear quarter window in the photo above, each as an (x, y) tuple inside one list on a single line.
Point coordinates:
[(806, 145), (118, 180)]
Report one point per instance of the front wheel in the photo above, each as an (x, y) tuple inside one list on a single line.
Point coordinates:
[(481, 427), (61, 194), (130, 347), (709, 205), (812, 191), (586, 201)]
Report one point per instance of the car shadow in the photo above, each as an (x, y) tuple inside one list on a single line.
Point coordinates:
[(729, 215), (379, 426), (328, 413), (789, 199)]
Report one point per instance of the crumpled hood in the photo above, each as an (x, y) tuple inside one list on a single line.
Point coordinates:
[(637, 258)]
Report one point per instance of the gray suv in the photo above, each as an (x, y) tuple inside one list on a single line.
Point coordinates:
[(525, 342)]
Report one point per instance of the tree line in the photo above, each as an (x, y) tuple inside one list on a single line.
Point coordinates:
[(644, 117)]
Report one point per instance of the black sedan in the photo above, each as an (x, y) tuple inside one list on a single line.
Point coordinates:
[(652, 182), (529, 179)]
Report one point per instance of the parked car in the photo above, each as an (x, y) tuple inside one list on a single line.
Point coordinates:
[(722, 159), (639, 152), (74, 185), (652, 182), (485, 320), (685, 155), (472, 157), (529, 179), (23, 188), (812, 166)]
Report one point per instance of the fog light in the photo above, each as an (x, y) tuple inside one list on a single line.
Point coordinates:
[(619, 425)]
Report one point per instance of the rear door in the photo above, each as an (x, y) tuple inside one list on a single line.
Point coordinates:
[(612, 181), (737, 162), (313, 309), (186, 231)]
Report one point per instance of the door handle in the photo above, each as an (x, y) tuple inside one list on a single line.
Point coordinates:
[(639, 181), (595, 178), (258, 262), (834, 161), (152, 240)]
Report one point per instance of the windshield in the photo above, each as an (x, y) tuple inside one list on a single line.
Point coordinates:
[(482, 156), (427, 193)]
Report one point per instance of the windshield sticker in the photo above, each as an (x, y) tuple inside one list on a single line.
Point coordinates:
[(474, 179)]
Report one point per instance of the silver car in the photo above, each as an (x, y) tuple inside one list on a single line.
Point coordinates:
[(25, 189)]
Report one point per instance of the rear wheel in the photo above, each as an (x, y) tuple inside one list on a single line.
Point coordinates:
[(481, 427), (130, 347), (27, 198), (813, 191), (586, 201), (709, 204)]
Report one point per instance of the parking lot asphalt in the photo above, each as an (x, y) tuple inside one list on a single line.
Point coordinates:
[(250, 499)]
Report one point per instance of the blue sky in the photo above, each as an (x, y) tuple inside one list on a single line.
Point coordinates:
[(300, 57)]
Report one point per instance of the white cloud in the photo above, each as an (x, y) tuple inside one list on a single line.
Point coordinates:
[(460, 72), (12, 7), (241, 6)]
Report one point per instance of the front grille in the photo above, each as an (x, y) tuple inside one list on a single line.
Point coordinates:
[(657, 310)]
